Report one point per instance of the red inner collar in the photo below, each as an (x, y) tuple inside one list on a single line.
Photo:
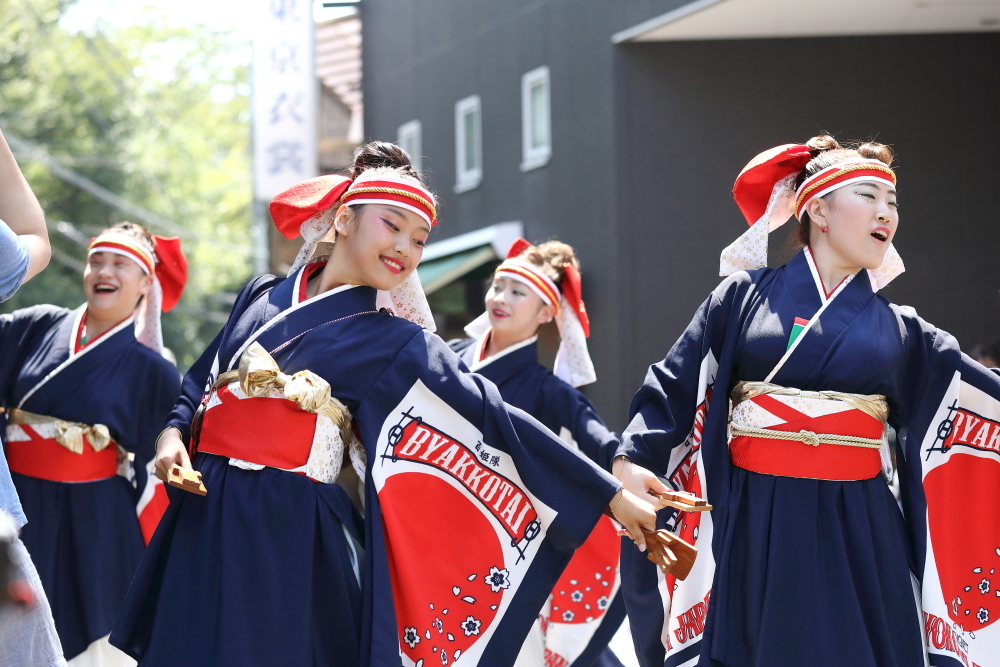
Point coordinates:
[(308, 274), (80, 330)]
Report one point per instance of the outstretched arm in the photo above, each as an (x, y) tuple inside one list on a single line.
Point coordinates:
[(21, 213)]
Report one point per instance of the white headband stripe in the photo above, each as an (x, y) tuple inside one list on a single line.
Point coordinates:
[(535, 273), (124, 253), (850, 181), (374, 199)]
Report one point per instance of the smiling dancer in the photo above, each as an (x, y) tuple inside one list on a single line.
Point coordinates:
[(86, 391), (472, 508), (533, 286), (807, 559)]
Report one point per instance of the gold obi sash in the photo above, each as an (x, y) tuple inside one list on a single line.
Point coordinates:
[(258, 416)]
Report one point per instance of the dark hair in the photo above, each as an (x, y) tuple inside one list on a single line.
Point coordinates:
[(826, 152), (137, 232), (384, 155), (551, 256)]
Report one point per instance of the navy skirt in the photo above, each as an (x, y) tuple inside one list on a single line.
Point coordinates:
[(85, 541), (258, 572), (813, 573)]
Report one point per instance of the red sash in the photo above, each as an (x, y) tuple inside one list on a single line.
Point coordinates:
[(266, 431), (791, 458), (44, 458)]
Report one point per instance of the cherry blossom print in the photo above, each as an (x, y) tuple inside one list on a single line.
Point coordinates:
[(962, 551), (431, 576), (410, 637), (588, 578), (498, 579), (471, 626)]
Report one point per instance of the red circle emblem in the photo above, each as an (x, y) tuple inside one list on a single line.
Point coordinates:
[(447, 568)]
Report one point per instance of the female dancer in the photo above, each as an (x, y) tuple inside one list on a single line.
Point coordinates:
[(85, 393), (813, 556), (471, 511), (535, 285)]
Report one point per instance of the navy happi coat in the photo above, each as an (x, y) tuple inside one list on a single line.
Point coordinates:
[(581, 617), (812, 572), (84, 537), (472, 510)]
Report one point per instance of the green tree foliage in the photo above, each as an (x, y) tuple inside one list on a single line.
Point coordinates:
[(158, 116)]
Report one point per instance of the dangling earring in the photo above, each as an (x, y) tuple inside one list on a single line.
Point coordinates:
[(826, 229)]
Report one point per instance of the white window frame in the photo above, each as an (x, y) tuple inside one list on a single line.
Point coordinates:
[(468, 179), (533, 157), (409, 135)]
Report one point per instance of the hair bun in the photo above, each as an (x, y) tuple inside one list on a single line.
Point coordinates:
[(551, 256), (382, 155), (876, 151), (821, 143)]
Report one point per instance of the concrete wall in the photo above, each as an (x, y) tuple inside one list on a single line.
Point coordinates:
[(422, 57), (648, 138), (691, 114)]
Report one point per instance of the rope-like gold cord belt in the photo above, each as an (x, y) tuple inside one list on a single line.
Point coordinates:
[(806, 437)]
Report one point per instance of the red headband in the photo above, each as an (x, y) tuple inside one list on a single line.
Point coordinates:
[(304, 200), (572, 287), (168, 262), (837, 176)]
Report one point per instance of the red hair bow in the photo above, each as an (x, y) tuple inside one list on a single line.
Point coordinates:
[(304, 200), (171, 269), (753, 187)]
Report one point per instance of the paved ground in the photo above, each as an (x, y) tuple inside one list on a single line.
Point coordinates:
[(621, 644)]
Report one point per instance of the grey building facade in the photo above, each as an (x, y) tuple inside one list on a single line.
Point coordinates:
[(655, 106)]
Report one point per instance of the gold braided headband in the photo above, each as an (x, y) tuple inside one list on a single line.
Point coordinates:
[(837, 174), (394, 191)]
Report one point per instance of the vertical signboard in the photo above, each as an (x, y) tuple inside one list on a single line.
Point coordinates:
[(284, 96)]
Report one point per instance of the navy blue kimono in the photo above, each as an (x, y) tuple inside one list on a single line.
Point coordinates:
[(564, 410), (84, 537), (472, 510), (795, 571)]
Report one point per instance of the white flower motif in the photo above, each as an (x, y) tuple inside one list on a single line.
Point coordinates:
[(470, 626), (983, 615), (410, 637), (567, 616), (602, 602), (444, 657), (984, 586), (576, 596), (439, 625), (497, 578)]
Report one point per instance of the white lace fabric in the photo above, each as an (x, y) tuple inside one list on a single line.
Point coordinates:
[(408, 300)]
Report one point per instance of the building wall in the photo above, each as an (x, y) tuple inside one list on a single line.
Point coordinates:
[(648, 138), (691, 114), (422, 57)]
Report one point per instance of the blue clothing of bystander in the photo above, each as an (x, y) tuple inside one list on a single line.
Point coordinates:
[(14, 258)]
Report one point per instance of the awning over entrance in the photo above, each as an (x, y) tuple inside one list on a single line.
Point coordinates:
[(742, 19), (449, 260)]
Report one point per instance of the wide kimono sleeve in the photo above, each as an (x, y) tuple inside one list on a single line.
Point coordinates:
[(949, 466), (574, 412), (475, 510), (663, 411), (195, 382), (18, 333)]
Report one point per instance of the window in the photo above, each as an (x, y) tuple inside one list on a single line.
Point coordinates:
[(408, 138), (536, 125), (468, 143)]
